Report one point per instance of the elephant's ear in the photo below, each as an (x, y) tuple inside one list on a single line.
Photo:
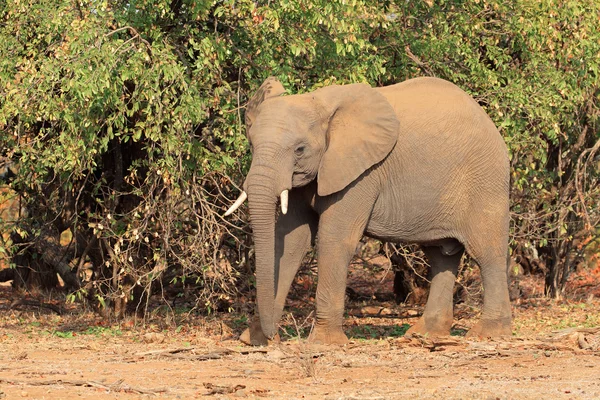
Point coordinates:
[(362, 131), (271, 87)]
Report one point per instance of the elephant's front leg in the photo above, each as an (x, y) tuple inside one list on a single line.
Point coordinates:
[(340, 230), (294, 233)]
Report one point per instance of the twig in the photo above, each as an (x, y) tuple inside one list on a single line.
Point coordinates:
[(417, 61), (134, 35), (83, 256), (578, 186)]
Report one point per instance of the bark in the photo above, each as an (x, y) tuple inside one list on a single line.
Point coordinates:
[(53, 254), (7, 274)]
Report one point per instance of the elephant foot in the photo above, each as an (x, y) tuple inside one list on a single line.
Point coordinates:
[(431, 328), (325, 335), (253, 336), (491, 329)]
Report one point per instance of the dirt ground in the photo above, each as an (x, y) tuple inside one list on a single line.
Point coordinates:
[(554, 353)]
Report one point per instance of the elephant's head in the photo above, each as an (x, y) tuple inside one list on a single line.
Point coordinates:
[(333, 135)]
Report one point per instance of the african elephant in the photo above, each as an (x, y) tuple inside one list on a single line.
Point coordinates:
[(416, 162)]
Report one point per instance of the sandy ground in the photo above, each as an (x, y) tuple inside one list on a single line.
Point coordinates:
[(183, 366), (554, 354)]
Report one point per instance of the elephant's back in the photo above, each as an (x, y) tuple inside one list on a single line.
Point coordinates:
[(448, 161), (438, 119), (431, 101)]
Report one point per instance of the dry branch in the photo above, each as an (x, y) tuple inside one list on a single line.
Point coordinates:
[(35, 303), (115, 387), (212, 355), (424, 67), (570, 331), (222, 389)]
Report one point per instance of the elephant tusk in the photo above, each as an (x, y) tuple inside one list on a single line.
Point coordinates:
[(284, 201), (237, 204)]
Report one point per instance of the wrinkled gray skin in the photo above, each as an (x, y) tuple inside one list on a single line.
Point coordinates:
[(416, 162)]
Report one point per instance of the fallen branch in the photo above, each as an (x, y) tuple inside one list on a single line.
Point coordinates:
[(432, 343), (35, 303), (213, 355), (164, 351), (222, 389), (249, 350), (382, 312), (116, 387), (570, 331), (585, 338)]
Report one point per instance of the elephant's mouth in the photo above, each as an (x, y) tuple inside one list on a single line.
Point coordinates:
[(302, 178)]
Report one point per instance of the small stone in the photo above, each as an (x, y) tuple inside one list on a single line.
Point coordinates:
[(153, 337), (276, 354), (370, 310)]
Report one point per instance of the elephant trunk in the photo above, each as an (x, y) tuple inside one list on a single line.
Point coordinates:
[(262, 204)]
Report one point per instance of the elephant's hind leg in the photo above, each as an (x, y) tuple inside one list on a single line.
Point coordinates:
[(496, 316), (488, 245), (439, 312)]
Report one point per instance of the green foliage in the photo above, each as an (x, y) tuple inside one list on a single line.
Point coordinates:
[(103, 331), (64, 334), (125, 118), (367, 332)]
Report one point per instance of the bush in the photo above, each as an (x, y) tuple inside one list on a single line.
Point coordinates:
[(122, 123)]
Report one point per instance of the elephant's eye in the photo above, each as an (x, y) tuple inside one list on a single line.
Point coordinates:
[(299, 150)]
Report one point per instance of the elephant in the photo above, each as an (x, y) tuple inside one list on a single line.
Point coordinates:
[(415, 162)]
